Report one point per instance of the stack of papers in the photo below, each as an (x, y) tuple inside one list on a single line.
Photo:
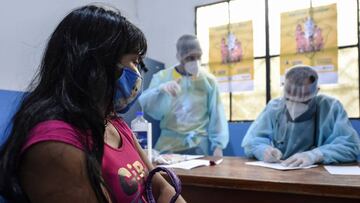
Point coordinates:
[(343, 170), (276, 166)]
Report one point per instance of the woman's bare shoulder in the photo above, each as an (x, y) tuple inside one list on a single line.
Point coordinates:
[(55, 172)]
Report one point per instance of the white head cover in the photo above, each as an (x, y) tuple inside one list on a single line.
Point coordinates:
[(187, 45), (300, 83)]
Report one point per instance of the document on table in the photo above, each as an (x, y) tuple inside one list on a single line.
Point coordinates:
[(188, 164), (175, 158), (276, 166), (343, 170)]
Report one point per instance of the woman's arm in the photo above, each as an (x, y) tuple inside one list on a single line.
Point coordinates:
[(162, 190), (55, 172)]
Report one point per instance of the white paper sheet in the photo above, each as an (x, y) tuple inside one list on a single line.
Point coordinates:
[(189, 164), (343, 170), (175, 158), (276, 166)]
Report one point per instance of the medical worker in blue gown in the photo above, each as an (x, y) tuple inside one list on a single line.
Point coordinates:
[(185, 98), (302, 128)]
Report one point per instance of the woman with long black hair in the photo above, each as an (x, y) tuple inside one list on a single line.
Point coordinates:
[(66, 143)]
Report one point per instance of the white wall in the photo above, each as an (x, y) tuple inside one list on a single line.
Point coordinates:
[(25, 28), (163, 22)]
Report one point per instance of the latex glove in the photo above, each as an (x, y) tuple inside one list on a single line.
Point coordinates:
[(218, 152), (272, 155), (171, 87), (303, 159)]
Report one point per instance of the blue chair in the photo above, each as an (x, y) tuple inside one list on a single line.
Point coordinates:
[(9, 101), (2, 200)]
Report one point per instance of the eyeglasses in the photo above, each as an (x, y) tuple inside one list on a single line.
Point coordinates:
[(142, 67)]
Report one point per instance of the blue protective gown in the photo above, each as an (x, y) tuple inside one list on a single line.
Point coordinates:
[(325, 126), (192, 118)]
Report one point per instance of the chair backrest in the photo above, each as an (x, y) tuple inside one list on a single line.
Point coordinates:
[(2, 200), (9, 102)]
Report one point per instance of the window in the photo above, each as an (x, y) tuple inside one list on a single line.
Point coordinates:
[(246, 105)]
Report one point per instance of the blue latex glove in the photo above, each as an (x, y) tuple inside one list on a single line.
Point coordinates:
[(272, 155), (303, 159)]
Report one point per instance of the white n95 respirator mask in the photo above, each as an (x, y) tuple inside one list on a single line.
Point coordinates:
[(296, 109), (192, 67)]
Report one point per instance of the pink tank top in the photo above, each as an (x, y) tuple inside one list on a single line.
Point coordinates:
[(123, 169)]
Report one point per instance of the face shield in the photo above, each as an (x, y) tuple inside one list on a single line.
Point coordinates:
[(298, 93), (300, 89)]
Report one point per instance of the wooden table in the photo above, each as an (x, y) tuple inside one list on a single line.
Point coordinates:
[(234, 181)]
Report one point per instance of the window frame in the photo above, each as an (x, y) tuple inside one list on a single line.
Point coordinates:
[(268, 56)]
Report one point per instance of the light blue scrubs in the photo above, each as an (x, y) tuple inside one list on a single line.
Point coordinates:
[(190, 121), (324, 126)]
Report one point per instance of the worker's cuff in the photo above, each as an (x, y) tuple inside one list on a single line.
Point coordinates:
[(259, 151), (316, 155), (216, 145)]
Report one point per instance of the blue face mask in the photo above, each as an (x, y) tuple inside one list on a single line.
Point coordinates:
[(127, 90)]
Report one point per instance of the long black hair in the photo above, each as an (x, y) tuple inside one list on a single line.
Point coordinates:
[(75, 83)]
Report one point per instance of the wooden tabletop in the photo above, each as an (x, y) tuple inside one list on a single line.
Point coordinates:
[(233, 173)]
